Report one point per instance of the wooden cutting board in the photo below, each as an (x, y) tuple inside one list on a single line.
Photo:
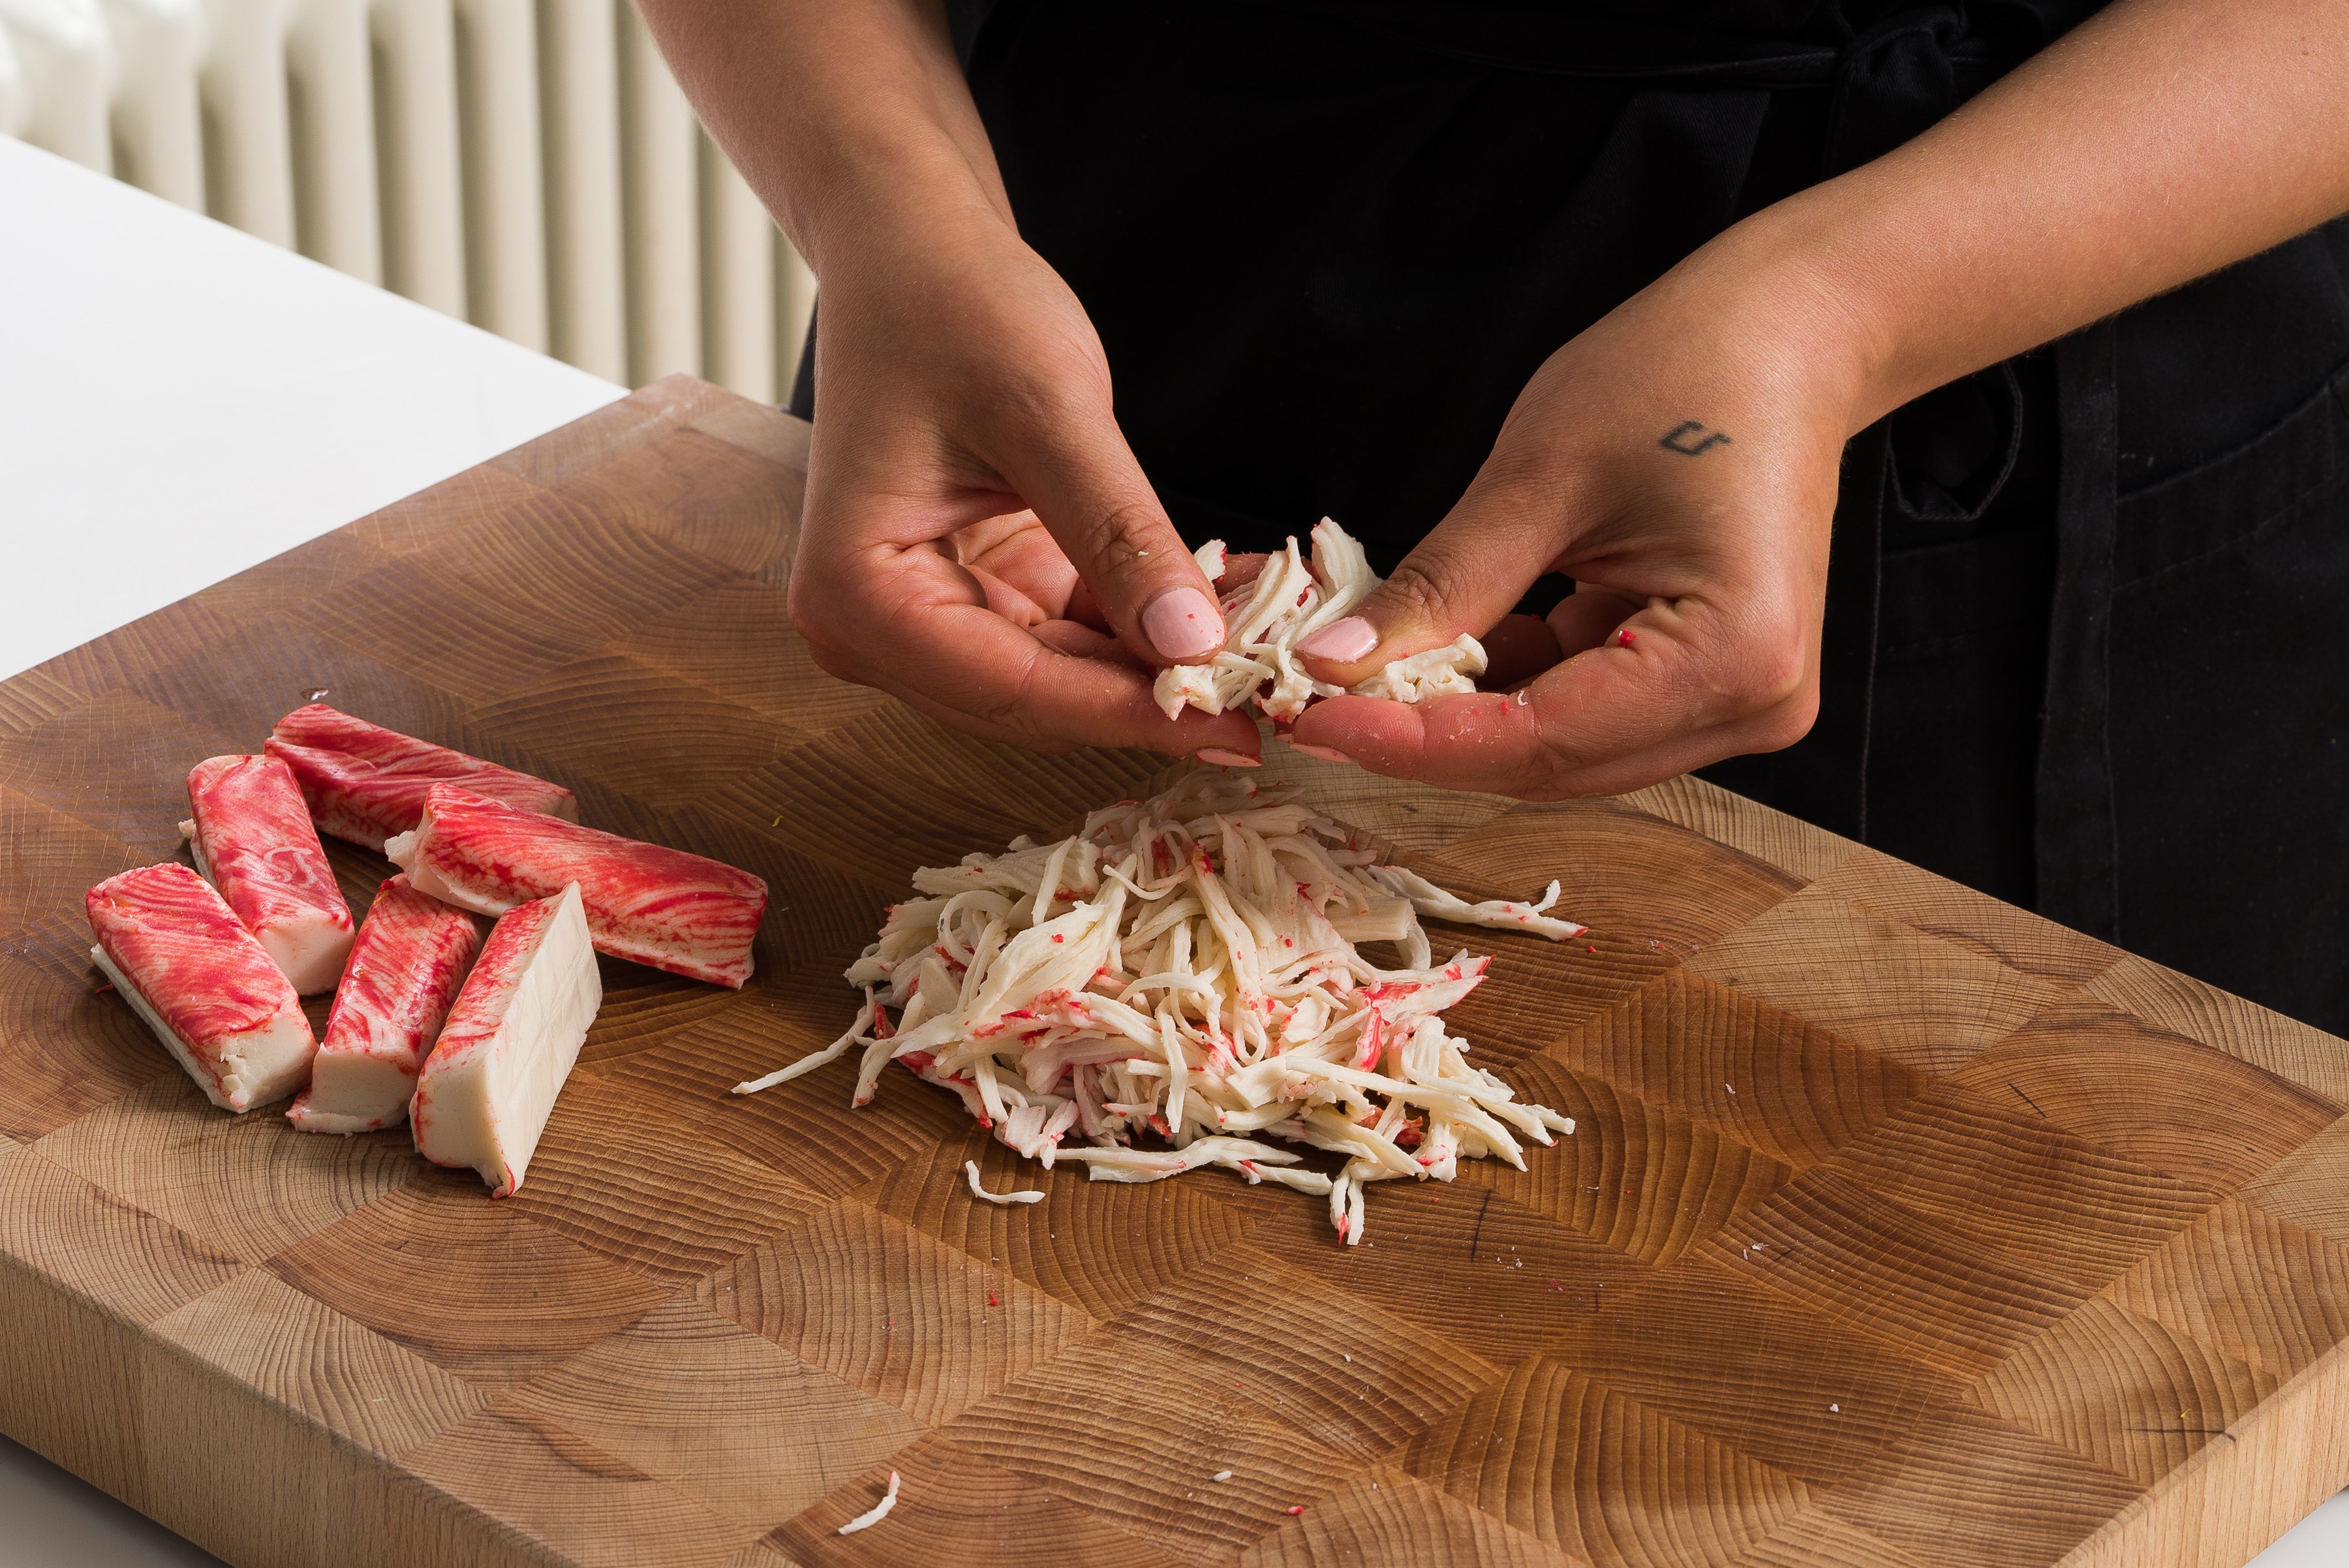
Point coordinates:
[(1901, 1228)]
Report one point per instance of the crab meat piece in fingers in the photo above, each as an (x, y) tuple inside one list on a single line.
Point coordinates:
[(665, 908), (365, 783), (510, 1042), (218, 1002), (252, 839), (411, 956), (1290, 600)]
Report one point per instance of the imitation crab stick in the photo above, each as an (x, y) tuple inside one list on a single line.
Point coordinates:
[(675, 911), (203, 982), (365, 783), (411, 956), (254, 841), (511, 1040)]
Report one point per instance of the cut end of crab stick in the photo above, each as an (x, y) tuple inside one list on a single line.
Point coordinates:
[(365, 783), (665, 908), (412, 957), (253, 840), (510, 1041), (199, 979)]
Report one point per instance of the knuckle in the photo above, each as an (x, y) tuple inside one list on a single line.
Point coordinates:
[(1115, 541), (830, 661), (1014, 706), (1424, 585), (805, 608), (1539, 787), (1772, 669), (1554, 763), (834, 662), (796, 608), (1788, 722)]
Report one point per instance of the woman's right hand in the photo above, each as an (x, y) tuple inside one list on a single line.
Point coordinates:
[(978, 540)]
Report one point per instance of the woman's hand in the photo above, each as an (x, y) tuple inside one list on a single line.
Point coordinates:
[(959, 381), (979, 539), (1679, 461), (2156, 141)]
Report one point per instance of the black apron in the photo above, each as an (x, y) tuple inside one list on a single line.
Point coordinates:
[(2084, 643)]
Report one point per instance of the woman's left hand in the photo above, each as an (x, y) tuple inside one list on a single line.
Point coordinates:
[(1679, 461)]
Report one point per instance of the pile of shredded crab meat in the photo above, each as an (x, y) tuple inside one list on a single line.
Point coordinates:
[(1288, 601), (1178, 985)]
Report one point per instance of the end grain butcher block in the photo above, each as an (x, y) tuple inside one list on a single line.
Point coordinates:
[(1901, 1228)]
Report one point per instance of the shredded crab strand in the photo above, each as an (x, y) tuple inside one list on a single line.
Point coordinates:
[(970, 1172), (1289, 601), (876, 1513), (1177, 986), (813, 1060)]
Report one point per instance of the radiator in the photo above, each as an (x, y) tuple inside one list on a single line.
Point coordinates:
[(527, 165)]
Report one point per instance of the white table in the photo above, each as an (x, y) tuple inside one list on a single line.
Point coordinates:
[(179, 401)]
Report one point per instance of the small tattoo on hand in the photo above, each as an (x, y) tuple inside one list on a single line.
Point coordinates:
[(1680, 439)]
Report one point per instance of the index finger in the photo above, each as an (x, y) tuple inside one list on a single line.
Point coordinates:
[(1091, 496), (1629, 713), (917, 626)]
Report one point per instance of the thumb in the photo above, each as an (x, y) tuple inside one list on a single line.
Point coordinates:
[(1090, 494), (1467, 574)]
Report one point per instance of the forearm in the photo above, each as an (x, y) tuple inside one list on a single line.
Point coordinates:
[(2162, 141), (840, 113)]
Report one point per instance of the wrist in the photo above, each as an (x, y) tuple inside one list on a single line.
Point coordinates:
[(843, 117), (865, 199), (1795, 282)]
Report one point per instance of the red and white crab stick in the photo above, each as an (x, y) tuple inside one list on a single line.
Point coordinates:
[(365, 783), (412, 957), (511, 1040), (187, 966), (684, 913), (254, 841)]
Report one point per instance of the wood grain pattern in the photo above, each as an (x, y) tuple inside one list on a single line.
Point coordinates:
[(1902, 1229)]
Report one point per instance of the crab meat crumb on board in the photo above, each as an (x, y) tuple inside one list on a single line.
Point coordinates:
[(876, 1513), (215, 999), (1178, 985), (655, 906), (978, 1189), (1290, 600), (252, 839), (412, 955), (365, 783)]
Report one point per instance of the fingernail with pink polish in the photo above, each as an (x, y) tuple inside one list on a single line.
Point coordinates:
[(1218, 757), (1182, 623), (1343, 640), (1327, 753)]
